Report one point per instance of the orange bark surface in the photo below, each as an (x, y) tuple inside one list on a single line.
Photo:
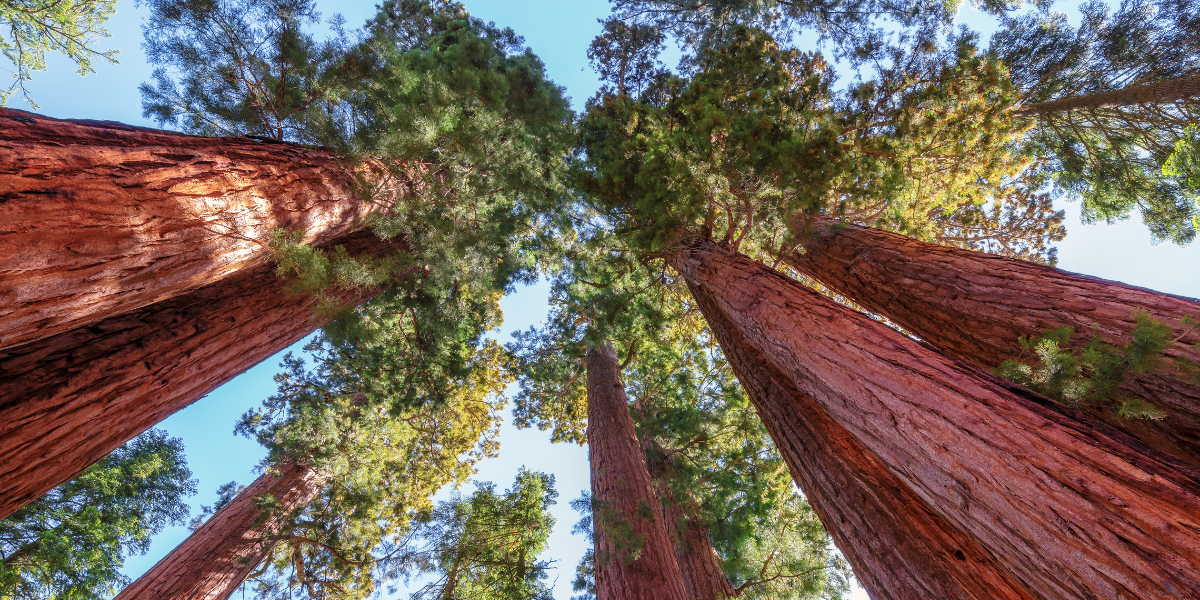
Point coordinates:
[(100, 218), (1064, 504)]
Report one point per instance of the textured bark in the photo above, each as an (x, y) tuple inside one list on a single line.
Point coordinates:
[(100, 218), (212, 562), (698, 561), (1159, 92), (974, 306), (898, 547), (1065, 504), (67, 401), (622, 489)]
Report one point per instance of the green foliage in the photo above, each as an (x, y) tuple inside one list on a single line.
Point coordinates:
[(1090, 372), (486, 546), (383, 461), (247, 67), (71, 543), (1183, 166), (1111, 157), (35, 27), (931, 132), (1020, 222), (718, 153), (756, 136), (845, 23)]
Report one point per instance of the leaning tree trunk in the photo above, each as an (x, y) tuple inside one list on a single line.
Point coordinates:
[(703, 578), (212, 562), (898, 547), (634, 560), (1066, 505), (100, 218), (974, 306), (1159, 92), (67, 401)]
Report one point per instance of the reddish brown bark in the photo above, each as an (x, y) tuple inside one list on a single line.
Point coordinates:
[(898, 547), (1064, 504), (624, 517), (68, 400), (1159, 92), (212, 562), (974, 306), (698, 561), (100, 218)]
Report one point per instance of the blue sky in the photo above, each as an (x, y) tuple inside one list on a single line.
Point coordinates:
[(559, 33)]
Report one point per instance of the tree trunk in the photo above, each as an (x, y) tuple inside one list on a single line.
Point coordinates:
[(212, 562), (974, 306), (1159, 92), (100, 218), (67, 401), (1064, 504), (703, 578), (634, 560), (898, 547)]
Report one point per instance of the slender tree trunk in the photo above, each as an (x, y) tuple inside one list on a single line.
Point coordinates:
[(1159, 92), (1069, 507), (69, 400), (703, 578), (899, 548), (100, 218), (212, 562), (634, 560), (974, 306)]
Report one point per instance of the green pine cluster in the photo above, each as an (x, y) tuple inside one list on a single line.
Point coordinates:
[(1090, 372)]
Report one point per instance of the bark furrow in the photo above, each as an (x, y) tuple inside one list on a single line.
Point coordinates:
[(1068, 506), (634, 559), (67, 401), (98, 219), (974, 306), (212, 562), (898, 547)]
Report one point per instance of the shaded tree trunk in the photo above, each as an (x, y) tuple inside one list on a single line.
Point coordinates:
[(100, 218), (703, 578), (634, 560), (1066, 505), (1159, 92), (69, 400), (898, 547), (974, 306), (212, 562)]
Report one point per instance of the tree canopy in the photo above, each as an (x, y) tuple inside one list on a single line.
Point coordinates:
[(72, 542), (31, 28)]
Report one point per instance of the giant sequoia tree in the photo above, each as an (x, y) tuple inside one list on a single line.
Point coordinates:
[(1110, 99), (977, 307), (735, 523), (829, 363), (457, 204)]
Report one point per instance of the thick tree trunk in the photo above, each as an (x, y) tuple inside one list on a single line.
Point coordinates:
[(1159, 92), (898, 547), (67, 401), (212, 562), (1066, 505), (100, 218), (974, 306), (698, 561), (634, 560)]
